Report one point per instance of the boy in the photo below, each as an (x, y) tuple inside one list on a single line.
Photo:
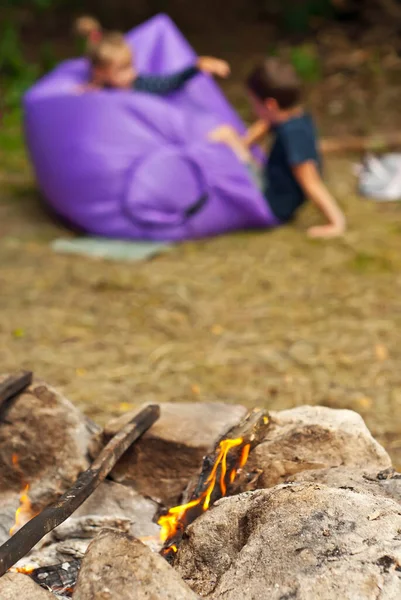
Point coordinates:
[(293, 171)]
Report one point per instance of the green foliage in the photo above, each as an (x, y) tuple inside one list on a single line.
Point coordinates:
[(12, 61), (306, 62), (12, 152), (16, 73), (48, 58), (297, 15), (33, 4)]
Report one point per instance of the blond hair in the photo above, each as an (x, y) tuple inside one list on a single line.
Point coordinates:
[(102, 47)]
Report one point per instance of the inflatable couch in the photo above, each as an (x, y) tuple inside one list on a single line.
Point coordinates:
[(126, 164)]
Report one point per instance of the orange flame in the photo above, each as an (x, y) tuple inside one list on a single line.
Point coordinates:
[(27, 570), (174, 519), (24, 513)]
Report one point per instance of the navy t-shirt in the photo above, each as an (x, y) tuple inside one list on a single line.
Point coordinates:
[(295, 143)]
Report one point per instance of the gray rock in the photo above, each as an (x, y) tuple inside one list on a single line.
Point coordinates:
[(161, 463), (111, 506), (15, 586), (51, 440), (89, 527), (55, 553), (313, 437), (378, 483), (298, 541), (9, 504), (119, 501), (119, 566)]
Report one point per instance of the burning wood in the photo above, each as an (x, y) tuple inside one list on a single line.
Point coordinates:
[(218, 474), (59, 579), (33, 531)]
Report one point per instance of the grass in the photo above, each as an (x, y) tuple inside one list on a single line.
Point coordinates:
[(364, 262), (12, 150)]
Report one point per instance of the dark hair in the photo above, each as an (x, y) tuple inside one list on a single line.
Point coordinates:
[(276, 79)]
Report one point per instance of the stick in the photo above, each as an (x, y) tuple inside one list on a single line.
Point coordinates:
[(14, 384), (31, 533), (374, 143)]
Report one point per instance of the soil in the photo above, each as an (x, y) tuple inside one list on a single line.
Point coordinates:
[(269, 319)]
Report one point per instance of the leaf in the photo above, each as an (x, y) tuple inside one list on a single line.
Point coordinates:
[(364, 402), (381, 352), (125, 406), (19, 333), (305, 61)]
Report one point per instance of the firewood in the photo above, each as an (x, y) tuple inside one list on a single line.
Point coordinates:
[(13, 385), (30, 534), (251, 431), (60, 579)]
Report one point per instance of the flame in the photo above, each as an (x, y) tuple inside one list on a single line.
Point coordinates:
[(27, 570), (24, 513), (174, 520), (244, 455)]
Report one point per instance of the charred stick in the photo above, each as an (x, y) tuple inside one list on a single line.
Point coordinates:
[(30, 534), (252, 429), (14, 384), (250, 432), (59, 579)]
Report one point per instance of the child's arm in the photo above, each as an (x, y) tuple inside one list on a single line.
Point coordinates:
[(213, 66), (225, 134), (162, 85), (256, 133), (311, 182)]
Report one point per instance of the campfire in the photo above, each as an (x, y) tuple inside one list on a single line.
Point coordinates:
[(132, 510), (216, 478)]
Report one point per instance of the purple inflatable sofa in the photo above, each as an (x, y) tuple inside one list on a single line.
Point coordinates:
[(130, 165)]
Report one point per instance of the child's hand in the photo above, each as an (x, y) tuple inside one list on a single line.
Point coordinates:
[(225, 134), (256, 133), (222, 134), (86, 87), (325, 231), (214, 66)]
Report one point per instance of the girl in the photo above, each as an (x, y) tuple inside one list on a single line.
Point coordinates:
[(112, 64)]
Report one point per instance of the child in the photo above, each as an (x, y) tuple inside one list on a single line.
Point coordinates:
[(112, 64), (293, 171)]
